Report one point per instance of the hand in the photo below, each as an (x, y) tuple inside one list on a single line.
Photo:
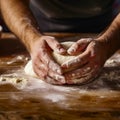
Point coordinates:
[(88, 64), (43, 63)]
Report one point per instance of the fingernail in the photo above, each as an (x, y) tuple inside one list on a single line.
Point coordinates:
[(87, 69), (73, 75), (59, 71), (60, 78), (62, 50), (64, 65), (70, 51), (90, 39), (63, 80)]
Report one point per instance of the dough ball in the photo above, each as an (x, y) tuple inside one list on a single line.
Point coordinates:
[(58, 58), (29, 69)]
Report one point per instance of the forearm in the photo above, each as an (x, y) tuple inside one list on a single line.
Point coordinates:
[(19, 19), (111, 37)]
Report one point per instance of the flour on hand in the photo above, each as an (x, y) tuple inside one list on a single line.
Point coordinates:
[(57, 57), (60, 59)]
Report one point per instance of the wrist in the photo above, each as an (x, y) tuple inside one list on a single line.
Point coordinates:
[(32, 35), (105, 45), (111, 39)]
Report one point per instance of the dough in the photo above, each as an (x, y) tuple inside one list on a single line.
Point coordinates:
[(62, 58), (58, 58), (29, 69)]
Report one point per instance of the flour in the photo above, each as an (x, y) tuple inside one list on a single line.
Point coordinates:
[(60, 59)]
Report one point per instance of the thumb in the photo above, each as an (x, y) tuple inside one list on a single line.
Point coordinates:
[(79, 46), (55, 45)]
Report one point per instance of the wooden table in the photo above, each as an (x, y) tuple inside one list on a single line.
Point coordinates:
[(37, 100)]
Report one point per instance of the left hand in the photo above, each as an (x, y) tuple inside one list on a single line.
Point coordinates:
[(43, 62), (88, 64)]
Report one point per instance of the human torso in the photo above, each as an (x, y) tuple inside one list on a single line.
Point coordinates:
[(72, 8), (62, 10)]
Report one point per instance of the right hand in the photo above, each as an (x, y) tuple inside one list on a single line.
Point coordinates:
[(43, 63), (89, 63)]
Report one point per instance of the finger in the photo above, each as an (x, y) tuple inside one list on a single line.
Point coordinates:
[(55, 45), (40, 64), (52, 81), (79, 46), (77, 61), (80, 81), (39, 67), (57, 77), (82, 75), (48, 60), (49, 72), (78, 72), (87, 78), (43, 74)]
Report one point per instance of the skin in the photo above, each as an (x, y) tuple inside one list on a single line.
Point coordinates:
[(21, 22), (95, 53)]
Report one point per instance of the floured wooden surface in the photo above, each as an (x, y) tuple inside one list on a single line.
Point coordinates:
[(26, 98), (12, 71)]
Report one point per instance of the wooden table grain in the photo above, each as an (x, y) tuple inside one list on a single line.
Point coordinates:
[(37, 100)]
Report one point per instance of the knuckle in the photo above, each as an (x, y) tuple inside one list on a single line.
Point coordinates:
[(43, 51), (58, 45), (89, 39), (48, 38), (44, 75), (34, 59), (82, 39)]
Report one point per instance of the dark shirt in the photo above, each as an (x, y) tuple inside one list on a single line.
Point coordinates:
[(72, 15)]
